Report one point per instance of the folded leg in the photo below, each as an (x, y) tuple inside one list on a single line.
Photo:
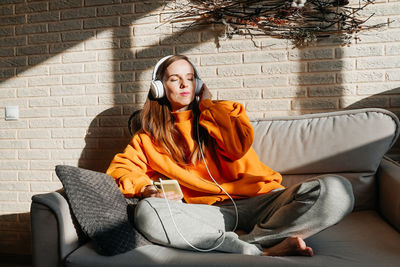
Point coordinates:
[(301, 210), (203, 226)]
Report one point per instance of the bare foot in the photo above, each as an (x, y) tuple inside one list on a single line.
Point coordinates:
[(291, 246)]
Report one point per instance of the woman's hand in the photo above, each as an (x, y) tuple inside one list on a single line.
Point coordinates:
[(205, 93), (151, 191)]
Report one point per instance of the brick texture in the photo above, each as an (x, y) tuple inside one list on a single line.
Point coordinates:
[(77, 69)]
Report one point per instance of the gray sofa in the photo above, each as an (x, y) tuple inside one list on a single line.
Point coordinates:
[(349, 143)]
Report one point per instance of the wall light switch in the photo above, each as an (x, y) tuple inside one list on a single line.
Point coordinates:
[(12, 113)]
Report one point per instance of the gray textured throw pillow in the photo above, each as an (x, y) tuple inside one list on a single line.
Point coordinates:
[(100, 209)]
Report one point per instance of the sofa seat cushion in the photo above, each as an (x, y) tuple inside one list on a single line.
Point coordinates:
[(352, 141), (361, 239)]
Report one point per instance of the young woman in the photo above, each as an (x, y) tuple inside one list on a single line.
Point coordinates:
[(179, 123)]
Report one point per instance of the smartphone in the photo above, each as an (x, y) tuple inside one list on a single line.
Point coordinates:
[(169, 185)]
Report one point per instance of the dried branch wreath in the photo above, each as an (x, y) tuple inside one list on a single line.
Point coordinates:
[(302, 21)]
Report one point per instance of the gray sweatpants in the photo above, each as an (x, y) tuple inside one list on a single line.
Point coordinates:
[(300, 210)]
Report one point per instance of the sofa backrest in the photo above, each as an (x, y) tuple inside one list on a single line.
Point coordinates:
[(350, 143)]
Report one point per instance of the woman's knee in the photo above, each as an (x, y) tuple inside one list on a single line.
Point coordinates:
[(148, 221), (337, 194)]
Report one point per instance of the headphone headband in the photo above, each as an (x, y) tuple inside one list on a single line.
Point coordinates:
[(161, 61)]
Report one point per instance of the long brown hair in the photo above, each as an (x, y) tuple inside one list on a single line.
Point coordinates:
[(158, 122)]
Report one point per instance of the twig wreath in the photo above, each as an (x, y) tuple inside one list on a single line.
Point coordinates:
[(302, 21)]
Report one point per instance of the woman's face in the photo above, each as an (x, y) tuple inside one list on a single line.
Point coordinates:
[(179, 82)]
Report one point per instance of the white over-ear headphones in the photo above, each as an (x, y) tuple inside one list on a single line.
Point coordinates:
[(157, 87)]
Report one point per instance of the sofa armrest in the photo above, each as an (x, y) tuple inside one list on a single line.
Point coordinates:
[(389, 191), (53, 233)]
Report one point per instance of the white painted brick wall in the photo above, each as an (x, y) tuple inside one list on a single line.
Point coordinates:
[(78, 69)]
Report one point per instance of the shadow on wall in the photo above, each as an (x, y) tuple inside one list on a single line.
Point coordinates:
[(40, 37), (328, 77), (45, 34), (382, 100), (108, 132), (321, 87), (18, 228)]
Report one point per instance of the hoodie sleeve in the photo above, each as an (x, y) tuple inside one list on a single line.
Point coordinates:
[(228, 123), (129, 169)]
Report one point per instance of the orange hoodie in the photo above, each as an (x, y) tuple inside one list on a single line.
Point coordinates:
[(233, 162)]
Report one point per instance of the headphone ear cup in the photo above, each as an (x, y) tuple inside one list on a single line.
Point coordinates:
[(157, 89), (199, 85)]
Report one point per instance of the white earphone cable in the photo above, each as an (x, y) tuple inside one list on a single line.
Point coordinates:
[(234, 204), (209, 173), (181, 235)]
